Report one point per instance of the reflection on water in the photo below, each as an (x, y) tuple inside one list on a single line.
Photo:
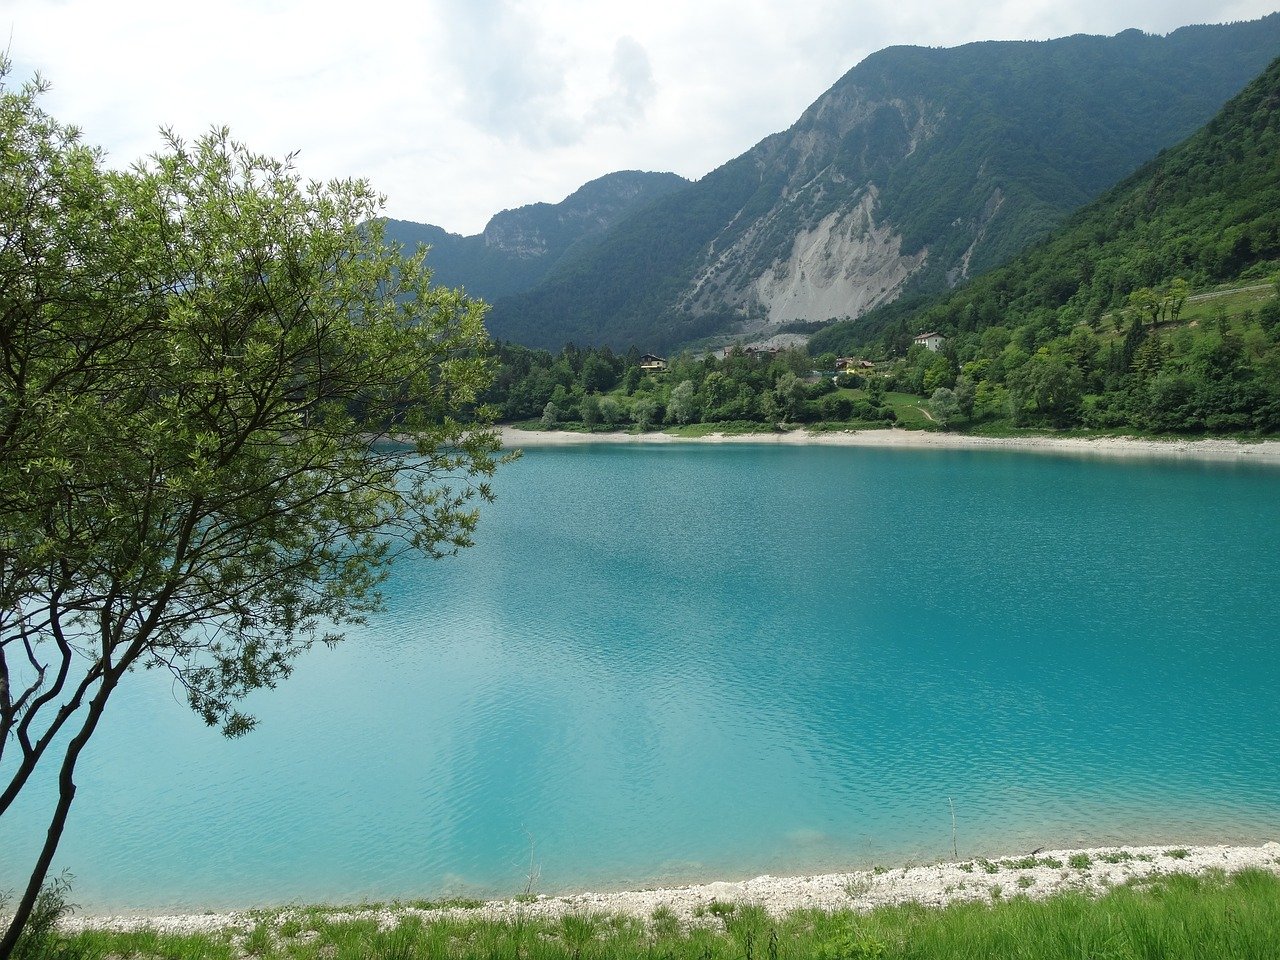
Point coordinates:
[(669, 664)]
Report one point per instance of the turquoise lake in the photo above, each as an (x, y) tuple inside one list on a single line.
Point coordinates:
[(677, 663)]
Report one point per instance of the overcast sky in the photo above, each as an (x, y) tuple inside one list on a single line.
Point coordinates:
[(456, 109)]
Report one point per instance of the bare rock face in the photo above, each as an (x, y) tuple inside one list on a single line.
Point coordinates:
[(841, 268), (517, 234), (824, 249)]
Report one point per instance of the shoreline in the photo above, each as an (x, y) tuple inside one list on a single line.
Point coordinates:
[(1216, 449), (1091, 870)]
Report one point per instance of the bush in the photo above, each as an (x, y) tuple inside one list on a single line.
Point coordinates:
[(40, 939), (550, 416), (836, 406)]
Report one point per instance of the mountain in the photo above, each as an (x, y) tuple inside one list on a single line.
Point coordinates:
[(519, 247), (1206, 211), (919, 168), (1096, 327)]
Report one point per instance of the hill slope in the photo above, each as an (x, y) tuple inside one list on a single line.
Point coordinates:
[(1085, 328), (519, 247), (920, 167), (1205, 211)]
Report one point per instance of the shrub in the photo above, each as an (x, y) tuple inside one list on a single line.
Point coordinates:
[(40, 939)]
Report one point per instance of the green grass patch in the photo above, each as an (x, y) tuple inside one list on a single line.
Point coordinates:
[(1167, 916), (290, 928), (1231, 302), (572, 426), (910, 411), (145, 945), (838, 426), (1030, 863), (1116, 856)]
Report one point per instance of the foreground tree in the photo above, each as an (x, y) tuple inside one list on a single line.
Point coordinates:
[(203, 361)]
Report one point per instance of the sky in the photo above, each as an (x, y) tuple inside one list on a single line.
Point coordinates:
[(457, 109)]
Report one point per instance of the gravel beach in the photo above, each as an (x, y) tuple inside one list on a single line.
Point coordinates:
[(1209, 448), (1032, 875)]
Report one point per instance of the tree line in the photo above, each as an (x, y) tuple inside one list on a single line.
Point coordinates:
[(596, 387)]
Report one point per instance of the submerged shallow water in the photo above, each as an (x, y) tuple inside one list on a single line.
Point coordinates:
[(673, 663)]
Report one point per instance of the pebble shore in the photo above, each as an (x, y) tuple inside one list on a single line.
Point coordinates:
[(1207, 448), (1036, 875)]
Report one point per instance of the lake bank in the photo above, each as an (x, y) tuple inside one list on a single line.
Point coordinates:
[(1039, 875), (1210, 448)]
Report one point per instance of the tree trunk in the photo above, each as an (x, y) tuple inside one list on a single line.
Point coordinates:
[(66, 793)]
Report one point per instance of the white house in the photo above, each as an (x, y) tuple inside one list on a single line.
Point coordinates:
[(652, 364), (931, 341)]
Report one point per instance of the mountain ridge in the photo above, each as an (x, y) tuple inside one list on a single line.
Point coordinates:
[(519, 246), (929, 164)]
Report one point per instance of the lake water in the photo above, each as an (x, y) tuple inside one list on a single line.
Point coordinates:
[(676, 663)]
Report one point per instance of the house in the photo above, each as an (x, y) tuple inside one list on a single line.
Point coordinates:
[(852, 367), (652, 364), (931, 341)]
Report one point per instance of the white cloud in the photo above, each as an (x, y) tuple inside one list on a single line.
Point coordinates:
[(633, 86), (459, 108)]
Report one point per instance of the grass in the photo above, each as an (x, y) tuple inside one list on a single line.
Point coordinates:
[(853, 889), (1115, 856), (1231, 302), (1031, 862), (573, 426), (147, 944), (833, 426), (1167, 916), (909, 409)]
